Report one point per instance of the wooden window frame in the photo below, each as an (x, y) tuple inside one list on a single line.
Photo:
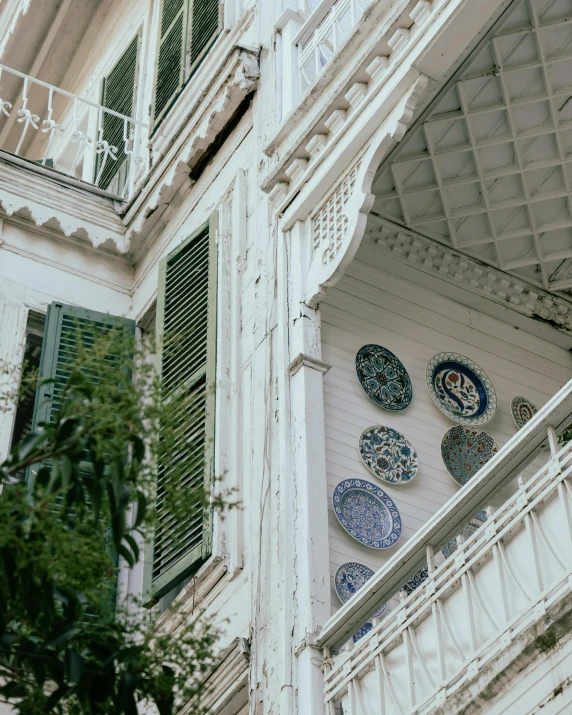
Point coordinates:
[(187, 69), (192, 560)]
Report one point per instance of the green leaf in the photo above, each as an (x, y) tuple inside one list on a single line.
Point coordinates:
[(74, 665)]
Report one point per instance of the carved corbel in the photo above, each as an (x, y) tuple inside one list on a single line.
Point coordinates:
[(351, 200)]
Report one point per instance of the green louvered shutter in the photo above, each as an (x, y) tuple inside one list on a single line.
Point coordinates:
[(169, 73), (204, 28), (186, 338), (119, 88), (63, 322)]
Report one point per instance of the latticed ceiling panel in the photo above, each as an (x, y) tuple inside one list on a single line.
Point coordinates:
[(488, 169)]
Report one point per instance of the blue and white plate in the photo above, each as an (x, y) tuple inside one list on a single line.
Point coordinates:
[(522, 411), (476, 522), (348, 580), (416, 581), (460, 389), (388, 455), (367, 513), (383, 377), (466, 450)]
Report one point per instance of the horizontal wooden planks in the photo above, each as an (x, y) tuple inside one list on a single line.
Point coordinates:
[(371, 306)]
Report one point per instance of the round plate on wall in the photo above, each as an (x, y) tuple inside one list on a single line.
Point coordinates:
[(367, 513), (388, 455), (348, 580), (383, 377), (460, 389)]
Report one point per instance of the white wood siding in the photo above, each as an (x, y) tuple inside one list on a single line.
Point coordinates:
[(371, 306)]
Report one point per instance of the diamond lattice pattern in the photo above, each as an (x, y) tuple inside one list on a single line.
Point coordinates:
[(488, 169)]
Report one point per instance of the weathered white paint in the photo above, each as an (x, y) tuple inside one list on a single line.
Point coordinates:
[(285, 437)]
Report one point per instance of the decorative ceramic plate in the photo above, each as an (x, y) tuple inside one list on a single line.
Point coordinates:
[(465, 450), (416, 581), (522, 411), (367, 513), (388, 455), (461, 389), (366, 628), (349, 579), (476, 522), (383, 377)]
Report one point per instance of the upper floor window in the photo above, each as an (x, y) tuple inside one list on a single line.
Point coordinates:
[(187, 30), (118, 94)]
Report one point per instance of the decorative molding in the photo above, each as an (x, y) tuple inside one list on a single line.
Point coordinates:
[(402, 39), (339, 224), (466, 272), (76, 211), (227, 683), (301, 360), (197, 125), (399, 31)]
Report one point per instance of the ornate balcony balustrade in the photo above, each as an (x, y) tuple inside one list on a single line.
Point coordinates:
[(322, 36), (482, 592), (58, 130)]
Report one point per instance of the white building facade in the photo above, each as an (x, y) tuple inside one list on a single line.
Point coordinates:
[(290, 181)]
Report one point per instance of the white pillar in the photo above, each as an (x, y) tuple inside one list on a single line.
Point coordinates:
[(13, 315), (287, 27), (308, 448)]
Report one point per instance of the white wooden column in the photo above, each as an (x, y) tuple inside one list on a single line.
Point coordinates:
[(306, 372), (13, 315)]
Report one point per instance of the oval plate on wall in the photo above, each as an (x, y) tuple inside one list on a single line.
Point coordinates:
[(367, 513), (460, 389), (522, 411), (383, 377), (465, 450), (388, 455)]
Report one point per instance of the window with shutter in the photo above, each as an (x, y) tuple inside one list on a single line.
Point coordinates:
[(186, 32), (204, 27), (118, 94), (64, 324), (186, 339)]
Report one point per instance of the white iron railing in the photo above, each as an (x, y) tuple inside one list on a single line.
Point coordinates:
[(497, 583), (317, 43), (59, 130)]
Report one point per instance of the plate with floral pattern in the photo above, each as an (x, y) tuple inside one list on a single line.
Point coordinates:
[(522, 411), (383, 377), (416, 581), (348, 580), (468, 530), (367, 513), (388, 455), (460, 389), (465, 450)]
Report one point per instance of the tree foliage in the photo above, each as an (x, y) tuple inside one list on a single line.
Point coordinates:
[(67, 645)]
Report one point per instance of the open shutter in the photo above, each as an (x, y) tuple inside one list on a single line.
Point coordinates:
[(58, 351), (169, 73), (118, 94), (186, 338), (204, 27)]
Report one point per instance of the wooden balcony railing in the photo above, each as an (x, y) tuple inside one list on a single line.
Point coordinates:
[(473, 604), (59, 131)]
